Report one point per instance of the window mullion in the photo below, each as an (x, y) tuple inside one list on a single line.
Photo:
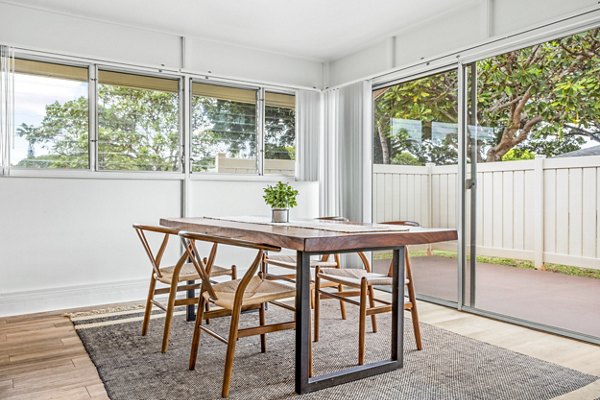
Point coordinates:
[(186, 112), (93, 117), (260, 131)]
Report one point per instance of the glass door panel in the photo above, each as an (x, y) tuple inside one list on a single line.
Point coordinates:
[(536, 201), (415, 172)]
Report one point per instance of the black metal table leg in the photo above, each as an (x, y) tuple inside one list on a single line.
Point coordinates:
[(190, 314), (398, 269), (306, 384), (302, 321)]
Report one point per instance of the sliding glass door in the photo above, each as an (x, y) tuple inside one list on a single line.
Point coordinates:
[(507, 150), (533, 140), (415, 172)]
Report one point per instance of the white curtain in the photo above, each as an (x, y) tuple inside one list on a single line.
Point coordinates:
[(346, 176), (6, 107), (309, 129)]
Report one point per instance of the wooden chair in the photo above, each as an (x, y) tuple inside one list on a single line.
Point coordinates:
[(289, 262), (171, 276), (233, 297), (364, 280)]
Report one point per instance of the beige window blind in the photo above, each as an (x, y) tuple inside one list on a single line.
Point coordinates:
[(280, 100), (51, 70), (137, 81), (224, 93)]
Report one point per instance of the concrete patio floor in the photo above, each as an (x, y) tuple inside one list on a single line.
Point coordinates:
[(563, 301)]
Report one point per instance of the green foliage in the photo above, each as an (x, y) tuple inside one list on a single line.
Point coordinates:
[(222, 126), (139, 131), (543, 99), (405, 158), (282, 195), (518, 154)]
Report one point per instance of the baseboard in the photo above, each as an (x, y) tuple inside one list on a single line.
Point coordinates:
[(35, 301)]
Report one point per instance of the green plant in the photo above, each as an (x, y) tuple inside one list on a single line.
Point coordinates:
[(281, 195)]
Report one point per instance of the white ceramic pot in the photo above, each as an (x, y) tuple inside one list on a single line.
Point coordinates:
[(280, 215)]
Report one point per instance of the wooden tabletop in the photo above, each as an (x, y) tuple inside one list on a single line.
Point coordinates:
[(312, 240)]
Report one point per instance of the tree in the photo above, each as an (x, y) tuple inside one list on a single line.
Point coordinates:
[(138, 130), (223, 126), (29, 132), (544, 99), (550, 89)]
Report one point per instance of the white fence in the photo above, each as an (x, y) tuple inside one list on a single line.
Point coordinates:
[(248, 166), (543, 210)]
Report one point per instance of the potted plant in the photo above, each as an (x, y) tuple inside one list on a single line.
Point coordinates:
[(281, 197)]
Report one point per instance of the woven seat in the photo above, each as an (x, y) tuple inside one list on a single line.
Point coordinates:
[(258, 291), (290, 262), (353, 276), (188, 273)]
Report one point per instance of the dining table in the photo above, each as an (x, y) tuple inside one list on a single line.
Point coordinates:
[(308, 238)]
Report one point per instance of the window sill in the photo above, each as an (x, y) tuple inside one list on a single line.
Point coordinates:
[(85, 174), (207, 176)]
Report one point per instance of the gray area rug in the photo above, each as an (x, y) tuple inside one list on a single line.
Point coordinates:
[(449, 367)]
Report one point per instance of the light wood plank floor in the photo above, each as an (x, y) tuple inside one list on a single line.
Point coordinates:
[(41, 356)]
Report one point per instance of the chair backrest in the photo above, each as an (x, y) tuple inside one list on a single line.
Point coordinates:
[(203, 268), (156, 258), (334, 218), (404, 223)]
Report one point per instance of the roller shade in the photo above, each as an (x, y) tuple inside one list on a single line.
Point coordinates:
[(280, 100), (137, 81), (51, 70), (224, 93)]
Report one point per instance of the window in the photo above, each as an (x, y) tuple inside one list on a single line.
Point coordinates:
[(138, 123), (280, 133), (51, 115), (88, 117), (223, 129)]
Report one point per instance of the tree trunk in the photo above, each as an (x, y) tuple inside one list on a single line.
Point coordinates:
[(385, 149)]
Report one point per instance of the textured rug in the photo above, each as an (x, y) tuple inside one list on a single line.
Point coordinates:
[(450, 366)]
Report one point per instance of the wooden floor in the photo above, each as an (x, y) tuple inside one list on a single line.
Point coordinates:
[(41, 356)]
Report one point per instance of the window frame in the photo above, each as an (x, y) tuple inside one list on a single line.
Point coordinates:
[(180, 111)]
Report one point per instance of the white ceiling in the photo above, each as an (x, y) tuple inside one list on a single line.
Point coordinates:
[(317, 29)]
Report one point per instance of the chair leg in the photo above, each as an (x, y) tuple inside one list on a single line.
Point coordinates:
[(412, 297), (263, 336), (317, 304), (313, 293), (372, 304), (207, 309), (148, 310), (196, 335), (169, 316), (342, 303), (362, 321), (231, 342)]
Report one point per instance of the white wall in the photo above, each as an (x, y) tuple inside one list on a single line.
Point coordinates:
[(69, 35), (69, 242), (451, 32)]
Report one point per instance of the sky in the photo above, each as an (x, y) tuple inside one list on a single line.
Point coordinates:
[(32, 94)]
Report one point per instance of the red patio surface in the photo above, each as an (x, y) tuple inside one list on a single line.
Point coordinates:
[(568, 302)]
